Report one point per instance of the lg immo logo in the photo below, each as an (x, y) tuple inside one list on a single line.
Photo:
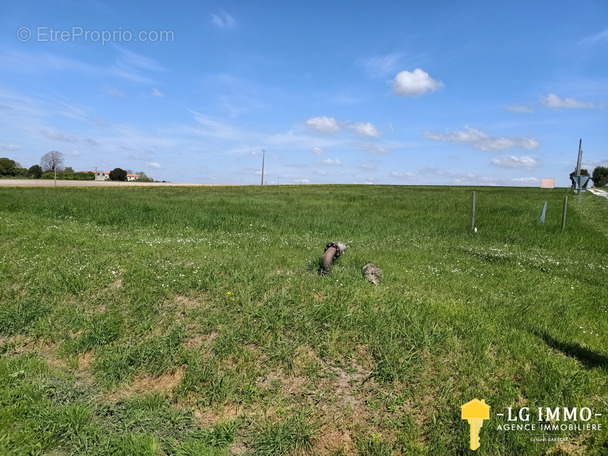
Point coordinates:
[(475, 412), (543, 423)]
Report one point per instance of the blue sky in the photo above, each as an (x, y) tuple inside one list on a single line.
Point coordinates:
[(388, 92)]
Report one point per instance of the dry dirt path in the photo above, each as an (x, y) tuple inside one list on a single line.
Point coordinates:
[(598, 192)]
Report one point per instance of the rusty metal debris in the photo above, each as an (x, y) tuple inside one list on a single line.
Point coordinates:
[(333, 251)]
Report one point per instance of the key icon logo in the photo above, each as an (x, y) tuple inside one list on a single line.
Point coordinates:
[(475, 412)]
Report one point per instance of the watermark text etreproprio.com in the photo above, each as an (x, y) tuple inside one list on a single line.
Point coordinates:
[(45, 34)]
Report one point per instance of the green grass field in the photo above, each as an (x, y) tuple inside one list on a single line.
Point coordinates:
[(194, 321)]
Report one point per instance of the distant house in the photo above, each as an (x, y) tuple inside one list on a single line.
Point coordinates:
[(102, 175), (105, 175)]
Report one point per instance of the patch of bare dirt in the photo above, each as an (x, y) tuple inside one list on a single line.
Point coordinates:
[(49, 353), (85, 360), (207, 417), (201, 340), (334, 442), (304, 357), (291, 385), (45, 350), (145, 384), (187, 302), (116, 284), (95, 310)]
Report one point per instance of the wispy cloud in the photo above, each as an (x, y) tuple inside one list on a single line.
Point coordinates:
[(415, 83), (515, 162), (331, 161), (373, 148), (482, 140), (223, 20), (524, 109), (525, 180), (595, 38), (402, 175), (114, 92), (127, 64), (10, 147), (555, 102), (317, 151), (135, 67), (58, 136), (157, 93), (381, 66), (154, 165)]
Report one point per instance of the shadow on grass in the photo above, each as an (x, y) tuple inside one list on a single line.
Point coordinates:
[(586, 357)]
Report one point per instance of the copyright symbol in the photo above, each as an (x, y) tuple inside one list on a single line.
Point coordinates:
[(24, 34)]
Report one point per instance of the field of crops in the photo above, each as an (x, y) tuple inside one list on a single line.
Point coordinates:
[(195, 321)]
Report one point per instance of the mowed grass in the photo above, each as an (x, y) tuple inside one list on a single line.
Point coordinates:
[(194, 321)]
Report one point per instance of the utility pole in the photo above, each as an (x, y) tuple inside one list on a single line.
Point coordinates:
[(578, 178), (580, 157), (263, 157)]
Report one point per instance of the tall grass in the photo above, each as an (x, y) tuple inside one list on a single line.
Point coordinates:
[(215, 292)]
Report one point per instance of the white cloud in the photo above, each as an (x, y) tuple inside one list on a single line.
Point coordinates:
[(331, 161), (58, 136), (114, 92), (368, 167), (515, 162), (73, 152), (223, 20), (317, 151), (525, 109), (364, 129), (412, 84), (402, 175), (555, 102), (154, 165), (323, 124), (525, 180), (157, 93), (10, 147), (482, 140)]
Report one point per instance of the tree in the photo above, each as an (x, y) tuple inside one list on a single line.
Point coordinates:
[(8, 167), (142, 177), (118, 174), (35, 171), (52, 161), (600, 176), (69, 170)]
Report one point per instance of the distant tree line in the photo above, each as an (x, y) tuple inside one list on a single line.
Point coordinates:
[(51, 167)]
